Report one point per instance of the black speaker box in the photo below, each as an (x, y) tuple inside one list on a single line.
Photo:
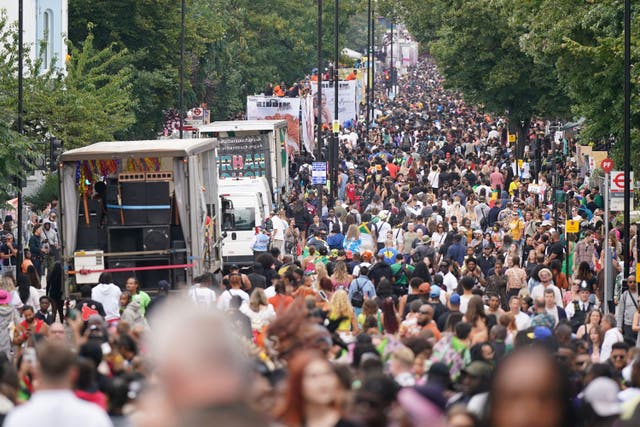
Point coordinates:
[(155, 238), (91, 237), (134, 198), (179, 274), (157, 193), (125, 239)]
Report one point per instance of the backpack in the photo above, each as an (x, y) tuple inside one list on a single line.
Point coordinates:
[(357, 299)]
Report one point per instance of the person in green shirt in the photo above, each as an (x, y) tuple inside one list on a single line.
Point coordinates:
[(402, 272), (143, 298)]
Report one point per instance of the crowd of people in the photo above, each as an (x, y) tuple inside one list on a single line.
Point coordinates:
[(437, 289)]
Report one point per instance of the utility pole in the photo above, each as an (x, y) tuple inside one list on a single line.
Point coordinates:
[(319, 100), (372, 98), (182, 31), (333, 167), (627, 136), (19, 182), (368, 87)]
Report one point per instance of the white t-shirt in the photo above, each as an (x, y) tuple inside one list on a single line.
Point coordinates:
[(225, 298), (279, 227), (522, 321), (202, 296)]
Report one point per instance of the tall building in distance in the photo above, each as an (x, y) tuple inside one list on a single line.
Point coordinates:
[(44, 21)]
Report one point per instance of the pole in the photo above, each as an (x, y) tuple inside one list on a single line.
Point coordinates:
[(368, 87), (627, 134), (391, 60), (182, 31), (372, 98), (319, 101), (605, 245), (334, 147), (566, 236), (18, 238)]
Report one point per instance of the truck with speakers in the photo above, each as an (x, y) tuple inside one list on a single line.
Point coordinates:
[(148, 209)]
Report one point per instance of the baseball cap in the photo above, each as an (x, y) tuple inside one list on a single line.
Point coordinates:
[(435, 291), (454, 299)]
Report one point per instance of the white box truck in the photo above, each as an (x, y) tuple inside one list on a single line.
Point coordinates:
[(152, 208)]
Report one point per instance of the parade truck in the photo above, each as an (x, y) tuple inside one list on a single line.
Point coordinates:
[(252, 148), (147, 209)]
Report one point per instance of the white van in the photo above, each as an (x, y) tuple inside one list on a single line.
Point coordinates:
[(246, 202)]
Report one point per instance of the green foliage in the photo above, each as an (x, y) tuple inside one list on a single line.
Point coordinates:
[(47, 191)]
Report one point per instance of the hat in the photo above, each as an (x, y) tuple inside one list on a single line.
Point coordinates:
[(584, 286), (383, 215), (367, 255), (545, 270), (546, 223), (404, 354), (426, 239), (435, 291), (477, 231), (462, 229), (540, 333), (602, 395), (477, 369), (348, 254), (424, 288), (454, 299), (5, 297)]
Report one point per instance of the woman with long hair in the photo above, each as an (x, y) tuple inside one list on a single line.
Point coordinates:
[(54, 290), (28, 294), (370, 308), (477, 318), (390, 321), (340, 309), (310, 399), (508, 320), (341, 277), (592, 319), (321, 273), (259, 311), (596, 337), (352, 241)]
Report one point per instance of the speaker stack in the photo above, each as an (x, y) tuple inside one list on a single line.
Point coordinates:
[(138, 219)]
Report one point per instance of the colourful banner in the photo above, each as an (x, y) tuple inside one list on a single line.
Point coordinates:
[(308, 136), (347, 106)]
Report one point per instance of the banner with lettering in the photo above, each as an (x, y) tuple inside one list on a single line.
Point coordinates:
[(275, 108), (308, 135), (240, 156)]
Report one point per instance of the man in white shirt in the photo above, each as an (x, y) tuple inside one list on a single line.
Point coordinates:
[(523, 321), (611, 335), (546, 277), (54, 404), (201, 294), (381, 228), (107, 293), (279, 227), (448, 278), (225, 297)]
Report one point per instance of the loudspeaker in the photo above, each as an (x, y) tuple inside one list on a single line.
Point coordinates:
[(134, 199), (113, 213), (156, 238), (94, 212), (91, 237), (157, 193), (179, 275), (125, 239)]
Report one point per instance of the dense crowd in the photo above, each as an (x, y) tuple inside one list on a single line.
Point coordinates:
[(437, 289)]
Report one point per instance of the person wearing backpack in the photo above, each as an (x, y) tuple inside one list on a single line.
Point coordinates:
[(402, 273), (361, 288)]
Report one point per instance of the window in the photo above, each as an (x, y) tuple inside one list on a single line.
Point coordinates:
[(47, 38), (242, 219)]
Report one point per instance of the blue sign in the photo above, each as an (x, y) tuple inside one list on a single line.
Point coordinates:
[(319, 173)]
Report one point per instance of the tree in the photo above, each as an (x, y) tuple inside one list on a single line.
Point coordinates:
[(92, 102)]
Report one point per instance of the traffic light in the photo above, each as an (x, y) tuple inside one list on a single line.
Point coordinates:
[(55, 149)]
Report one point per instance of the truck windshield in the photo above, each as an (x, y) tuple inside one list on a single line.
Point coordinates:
[(242, 219)]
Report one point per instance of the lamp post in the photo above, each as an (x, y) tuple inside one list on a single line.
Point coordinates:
[(334, 149), (183, 8), (19, 182), (319, 101), (367, 89), (627, 134)]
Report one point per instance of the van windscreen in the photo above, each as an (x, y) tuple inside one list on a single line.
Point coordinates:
[(242, 219)]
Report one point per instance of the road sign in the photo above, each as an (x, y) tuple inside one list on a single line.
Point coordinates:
[(638, 272), (572, 226), (512, 137), (606, 165), (319, 173), (336, 126), (616, 202), (617, 181)]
